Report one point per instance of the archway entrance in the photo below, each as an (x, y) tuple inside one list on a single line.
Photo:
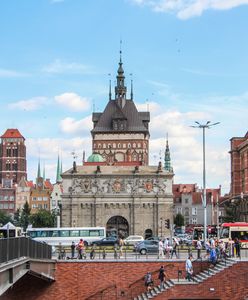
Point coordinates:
[(117, 226), (148, 233)]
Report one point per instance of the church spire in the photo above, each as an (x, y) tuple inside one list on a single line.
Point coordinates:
[(38, 171), (120, 89), (167, 159), (58, 174), (44, 172), (131, 94)]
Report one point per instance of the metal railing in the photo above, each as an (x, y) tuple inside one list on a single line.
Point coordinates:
[(14, 248)]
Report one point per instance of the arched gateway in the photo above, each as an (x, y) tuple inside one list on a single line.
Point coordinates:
[(118, 226)]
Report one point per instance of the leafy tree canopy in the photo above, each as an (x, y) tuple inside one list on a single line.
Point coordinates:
[(179, 220)]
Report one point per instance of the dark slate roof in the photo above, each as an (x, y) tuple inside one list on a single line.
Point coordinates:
[(134, 118)]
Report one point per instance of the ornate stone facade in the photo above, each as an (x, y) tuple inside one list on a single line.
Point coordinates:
[(141, 198)]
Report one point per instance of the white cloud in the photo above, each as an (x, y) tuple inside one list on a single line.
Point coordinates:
[(58, 66), (72, 126), (73, 101), (48, 149), (5, 73), (29, 104), (185, 9)]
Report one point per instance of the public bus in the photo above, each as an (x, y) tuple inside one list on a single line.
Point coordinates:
[(235, 230), (67, 235)]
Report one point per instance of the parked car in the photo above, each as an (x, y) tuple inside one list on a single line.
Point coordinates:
[(146, 247), (108, 241), (133, 239), (153, 238)]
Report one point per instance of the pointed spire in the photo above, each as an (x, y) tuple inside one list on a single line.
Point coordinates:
[(167, 159), (44, 172), (131, 94), (58, 174), (38, 172), (120, 89), (110, 95)]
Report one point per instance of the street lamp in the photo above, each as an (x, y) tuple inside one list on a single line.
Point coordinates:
[(208, 125)]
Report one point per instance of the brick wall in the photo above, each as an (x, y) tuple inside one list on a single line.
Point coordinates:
[(76, 280)]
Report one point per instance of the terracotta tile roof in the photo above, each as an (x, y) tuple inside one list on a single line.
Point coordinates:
[(48, 185), (12, 133), (30, 184)]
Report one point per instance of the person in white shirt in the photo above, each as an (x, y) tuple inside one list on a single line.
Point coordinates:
[(199, 247), (161, 249), (189, 268)]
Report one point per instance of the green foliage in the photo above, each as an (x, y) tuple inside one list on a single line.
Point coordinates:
[(25, 215), (43, 218), (230, 213), (17, 217), (179, 220), (4, 218)]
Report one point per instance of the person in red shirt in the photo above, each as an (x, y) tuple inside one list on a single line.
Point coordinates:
[(80, 248)]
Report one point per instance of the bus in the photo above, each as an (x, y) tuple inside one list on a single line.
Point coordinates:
[(235, 230), (67, 235)]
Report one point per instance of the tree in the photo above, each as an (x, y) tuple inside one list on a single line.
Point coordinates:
[(179, 220), (4, 218), (25, 216), (43, 218), (17, 217)]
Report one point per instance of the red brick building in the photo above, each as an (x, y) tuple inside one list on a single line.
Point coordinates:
[(239, 175), (12, 167)]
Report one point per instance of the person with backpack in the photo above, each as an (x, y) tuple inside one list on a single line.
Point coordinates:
[(161, 276), (148, 281), (213, 256)]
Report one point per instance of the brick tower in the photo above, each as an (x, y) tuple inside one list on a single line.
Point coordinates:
[(120, 133), (13, 165)]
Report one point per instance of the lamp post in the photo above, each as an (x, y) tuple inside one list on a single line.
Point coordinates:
[(203, 127)]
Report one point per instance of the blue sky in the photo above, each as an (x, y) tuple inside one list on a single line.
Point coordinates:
[(188, 59)]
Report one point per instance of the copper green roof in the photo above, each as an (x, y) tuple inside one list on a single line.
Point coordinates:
[(95, 157)]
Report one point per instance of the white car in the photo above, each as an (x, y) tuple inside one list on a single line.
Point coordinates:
[(133, 239)]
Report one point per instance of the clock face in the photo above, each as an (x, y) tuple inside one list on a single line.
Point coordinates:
[(39, 184)]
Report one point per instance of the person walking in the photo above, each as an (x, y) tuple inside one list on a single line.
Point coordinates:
[(121, 245), (80, 248), (148, 281), (161, 249), (199, 247), (161, 277), (174, 247), (189, 268), (73, 246), (237, 247)]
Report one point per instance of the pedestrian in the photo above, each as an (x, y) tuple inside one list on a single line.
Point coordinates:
[(121, 245), (161, 276), (237, 247), (199, 247), (60, 250), (189, 268), (80, 248), (174, 247), (213, 256), (230, 246), (93, 252), (148, 281), (73, 246), (161, 249)]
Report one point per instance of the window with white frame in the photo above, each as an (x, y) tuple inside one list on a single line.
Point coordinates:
[(194, 220), (194, 211)]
